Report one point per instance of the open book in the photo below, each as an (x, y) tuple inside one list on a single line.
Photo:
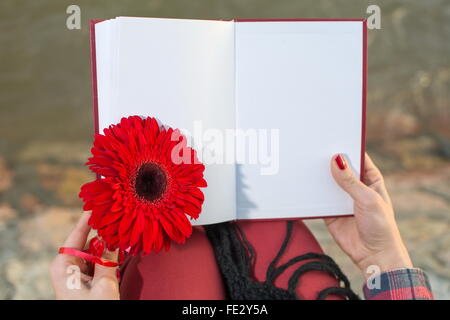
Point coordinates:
[(296, 87)]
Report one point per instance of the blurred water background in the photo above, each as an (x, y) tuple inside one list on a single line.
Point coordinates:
[(46, 123)]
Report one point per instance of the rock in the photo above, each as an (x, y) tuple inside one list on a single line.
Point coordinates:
[(29, 278), (29, 202), (414, 153), (14, 271), (417, 202), (56, 152), (64, 181), (46, 231), (421, 229), (439, 285), (443, 256), (422, 192), (7, 213), (72, 180), (50, 175), (398, 124), (6, 176), (444, 143)]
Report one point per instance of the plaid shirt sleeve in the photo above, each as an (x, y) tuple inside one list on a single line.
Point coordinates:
[(399, 284)]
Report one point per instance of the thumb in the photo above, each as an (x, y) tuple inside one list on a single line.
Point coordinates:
[(106, 275), (347, 180)]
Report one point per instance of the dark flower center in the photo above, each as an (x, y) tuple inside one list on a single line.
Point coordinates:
[(151, 182)]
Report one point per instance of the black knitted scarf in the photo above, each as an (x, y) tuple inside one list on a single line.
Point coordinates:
[(235, 257)]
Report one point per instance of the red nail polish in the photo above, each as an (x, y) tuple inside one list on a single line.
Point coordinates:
[(341, 162)]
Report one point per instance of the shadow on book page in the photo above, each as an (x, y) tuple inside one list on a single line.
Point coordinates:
[(244, 203)]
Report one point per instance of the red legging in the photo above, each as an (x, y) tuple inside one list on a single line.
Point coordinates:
[(190, 271)]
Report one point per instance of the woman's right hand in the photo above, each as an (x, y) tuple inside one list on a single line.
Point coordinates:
[(371, 236), (69, 273)]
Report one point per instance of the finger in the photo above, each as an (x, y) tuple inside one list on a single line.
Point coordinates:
[(374, 179), (106, 275), (329, 221), (371, 173), (85, 277), (78, 236), (111, 255), (347, 180)]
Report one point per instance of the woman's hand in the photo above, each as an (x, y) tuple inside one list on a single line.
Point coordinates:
[(69, 274), (371, 236)]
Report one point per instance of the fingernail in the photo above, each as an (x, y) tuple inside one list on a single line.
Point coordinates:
[(340, 161)]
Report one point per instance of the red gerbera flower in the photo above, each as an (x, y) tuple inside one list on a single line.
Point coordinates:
[(146, 191)]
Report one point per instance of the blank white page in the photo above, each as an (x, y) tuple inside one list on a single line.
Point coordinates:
[(103, 53), (178, 71), (305, 79)]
